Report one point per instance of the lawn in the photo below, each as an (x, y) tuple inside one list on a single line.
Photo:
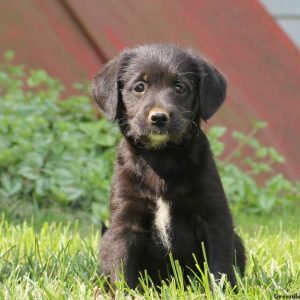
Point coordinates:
[(52, 260)]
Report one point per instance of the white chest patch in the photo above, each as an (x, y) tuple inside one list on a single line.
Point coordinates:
[(162, 222)]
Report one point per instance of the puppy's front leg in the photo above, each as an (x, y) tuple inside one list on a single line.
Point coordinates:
[(121, 249), (220, 249)]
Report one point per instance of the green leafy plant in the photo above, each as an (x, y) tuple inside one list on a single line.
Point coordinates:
[(52, 150), (55, 151), (250, 180)]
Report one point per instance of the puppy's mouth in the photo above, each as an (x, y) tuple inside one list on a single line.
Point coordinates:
[(156, 140), (156, 137)]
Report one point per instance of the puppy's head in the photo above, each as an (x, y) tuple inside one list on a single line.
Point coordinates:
[(158, 93)]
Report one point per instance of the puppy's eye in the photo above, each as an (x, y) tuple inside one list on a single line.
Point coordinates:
[(140, 88), (180, 88)]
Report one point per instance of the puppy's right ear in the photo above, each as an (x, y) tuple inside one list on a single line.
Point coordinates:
[(106, 86)]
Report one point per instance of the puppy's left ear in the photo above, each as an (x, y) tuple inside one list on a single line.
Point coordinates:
[(213, 88)]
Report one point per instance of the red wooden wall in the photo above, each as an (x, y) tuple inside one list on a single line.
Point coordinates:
[(71, 39)]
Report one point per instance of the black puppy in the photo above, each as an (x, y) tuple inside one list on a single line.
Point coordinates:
[(167, 196)]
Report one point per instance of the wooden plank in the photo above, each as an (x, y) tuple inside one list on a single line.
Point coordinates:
[(44, 36)]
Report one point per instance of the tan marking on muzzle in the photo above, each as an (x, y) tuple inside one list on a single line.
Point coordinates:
[(156, 109)]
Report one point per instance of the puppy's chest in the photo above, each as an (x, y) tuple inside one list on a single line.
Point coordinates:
[(171, 187), (170, 226)]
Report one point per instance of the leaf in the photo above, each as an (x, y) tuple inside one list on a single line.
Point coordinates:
[(276, 156), (73, 193), (10, 185), (238, 135), (260, 124), (261, 152), (217, 131), (37, 77), (106, 140), (28, 172), (9, 55)]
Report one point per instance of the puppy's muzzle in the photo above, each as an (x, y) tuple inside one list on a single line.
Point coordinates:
[(159, 120)]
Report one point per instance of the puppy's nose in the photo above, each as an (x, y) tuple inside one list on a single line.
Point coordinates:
[(159, 118)]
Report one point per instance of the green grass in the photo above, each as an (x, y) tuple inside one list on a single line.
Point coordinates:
[(59, 261)]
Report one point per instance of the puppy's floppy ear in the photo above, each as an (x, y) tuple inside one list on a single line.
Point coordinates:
[(106, 86), (212, 90)]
